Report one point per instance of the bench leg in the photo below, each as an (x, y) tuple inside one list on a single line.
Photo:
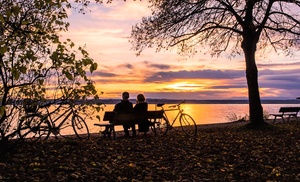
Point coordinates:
[(293, 116), (108, 130), (114, 132), (276, 117), (111, 129)]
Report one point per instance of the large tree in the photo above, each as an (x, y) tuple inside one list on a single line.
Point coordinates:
[(35, 63), (240, 26)]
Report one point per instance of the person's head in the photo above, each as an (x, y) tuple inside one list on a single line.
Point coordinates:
[(125, 95), (140, 98)]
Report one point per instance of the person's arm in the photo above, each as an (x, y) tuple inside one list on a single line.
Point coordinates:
[(116, 108)]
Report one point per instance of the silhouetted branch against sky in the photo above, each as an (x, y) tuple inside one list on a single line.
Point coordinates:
[(105, 28), (219, 24)]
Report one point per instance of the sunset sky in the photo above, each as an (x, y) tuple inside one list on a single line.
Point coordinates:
[(106, 30)]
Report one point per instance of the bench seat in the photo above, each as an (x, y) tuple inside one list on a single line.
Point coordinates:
[(286, 112), (114, 119)]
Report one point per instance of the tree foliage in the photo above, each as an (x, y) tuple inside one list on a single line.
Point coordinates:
[(35, 63), (232, 26)]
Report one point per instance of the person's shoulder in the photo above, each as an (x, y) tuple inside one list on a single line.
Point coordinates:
[(119, 103)]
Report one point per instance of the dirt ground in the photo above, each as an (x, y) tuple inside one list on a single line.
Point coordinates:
[(227, 152)]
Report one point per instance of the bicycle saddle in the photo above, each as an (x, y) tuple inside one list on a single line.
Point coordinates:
[(160, 104)]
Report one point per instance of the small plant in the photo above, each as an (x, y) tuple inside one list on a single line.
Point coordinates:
[(237, 118), (266, 114)]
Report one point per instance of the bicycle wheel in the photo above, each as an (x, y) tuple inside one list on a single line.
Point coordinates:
[(160, 126), (188, 125), (80, 127), (33, 127)]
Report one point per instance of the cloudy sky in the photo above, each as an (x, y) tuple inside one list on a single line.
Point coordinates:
[(105, 32)]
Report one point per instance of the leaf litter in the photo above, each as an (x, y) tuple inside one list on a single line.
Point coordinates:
[(218, 154)]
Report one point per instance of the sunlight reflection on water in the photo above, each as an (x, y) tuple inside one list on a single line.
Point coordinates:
[(202, 113)]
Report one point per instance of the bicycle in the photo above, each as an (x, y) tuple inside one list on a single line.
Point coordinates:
[(187, 123), (38, 126)]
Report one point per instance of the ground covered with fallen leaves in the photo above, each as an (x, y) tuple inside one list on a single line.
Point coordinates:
[(216, 153)]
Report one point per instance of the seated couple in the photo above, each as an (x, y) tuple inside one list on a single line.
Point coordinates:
[(125, 106)]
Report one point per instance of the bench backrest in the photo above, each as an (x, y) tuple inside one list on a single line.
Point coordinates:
[(115, 117), (289, 109), (109, 116), (154, 114)]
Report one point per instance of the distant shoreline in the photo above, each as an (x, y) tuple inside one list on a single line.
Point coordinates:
[(173, 101), (188, 101)]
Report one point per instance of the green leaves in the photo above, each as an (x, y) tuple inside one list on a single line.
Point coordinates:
[(16, 71), (35, 62), (3, 50), (68, 75), (23, 69), (2, 110), (93, 67)]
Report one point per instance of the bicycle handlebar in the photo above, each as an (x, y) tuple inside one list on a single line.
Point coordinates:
[(177, 105), (172, 106)]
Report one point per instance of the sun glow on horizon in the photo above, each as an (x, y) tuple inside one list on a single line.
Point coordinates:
[(105, 32), (184, 86)]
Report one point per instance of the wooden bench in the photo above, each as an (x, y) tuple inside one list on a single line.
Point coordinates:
[(287, 112), (115, 119)]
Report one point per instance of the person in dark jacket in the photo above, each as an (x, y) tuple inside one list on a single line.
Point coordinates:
[(125, 106), (140, 108)]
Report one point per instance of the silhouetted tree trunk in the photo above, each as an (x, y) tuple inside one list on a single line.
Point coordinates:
[(250, 37), (255, 107)]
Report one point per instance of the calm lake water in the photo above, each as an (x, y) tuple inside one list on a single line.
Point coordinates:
[(203, 113)]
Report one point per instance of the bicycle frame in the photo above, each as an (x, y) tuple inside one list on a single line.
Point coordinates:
[(41, 124), (173, 108), (66, 114), (187, 123), (177, 115)]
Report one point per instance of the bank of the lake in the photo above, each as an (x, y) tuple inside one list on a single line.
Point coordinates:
[(212, 112)]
